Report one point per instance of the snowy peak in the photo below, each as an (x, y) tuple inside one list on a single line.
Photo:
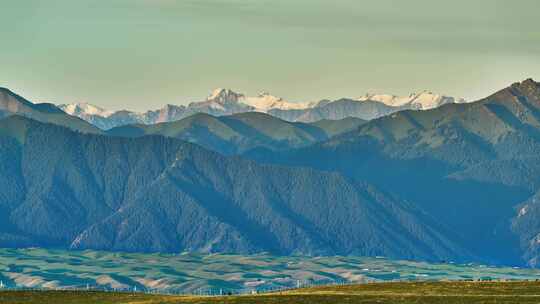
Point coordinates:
[(427, 100), (220, 99), (265, 102), (83, 108), (224, 96), (424, 100)]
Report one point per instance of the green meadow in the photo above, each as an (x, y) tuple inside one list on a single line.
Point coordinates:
[(222, 274)]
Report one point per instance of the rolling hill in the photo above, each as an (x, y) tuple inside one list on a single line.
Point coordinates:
[(240, 133)]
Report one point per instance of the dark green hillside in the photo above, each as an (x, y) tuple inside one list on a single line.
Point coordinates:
[(72, 190), (467, 165), (336, 127), (13, 104), (240, 133)]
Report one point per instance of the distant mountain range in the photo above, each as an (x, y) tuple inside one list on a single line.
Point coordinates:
[(226, 102), (228, 134), (443, 180)]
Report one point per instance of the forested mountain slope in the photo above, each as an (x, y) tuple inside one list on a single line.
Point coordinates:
[(240, 133), (72, 190), (13, 104), (468, 165)]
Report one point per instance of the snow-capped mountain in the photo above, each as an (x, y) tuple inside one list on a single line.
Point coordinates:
[(265, 102), (424, 100), (220, 102), (367, 107), (221, 97), (84, 108), (227, 102), (225, 98)]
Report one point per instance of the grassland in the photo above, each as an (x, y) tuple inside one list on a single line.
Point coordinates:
[(400, 293), (197, 273)]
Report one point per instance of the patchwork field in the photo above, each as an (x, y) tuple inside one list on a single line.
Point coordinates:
[(220, 274), (395, 292)]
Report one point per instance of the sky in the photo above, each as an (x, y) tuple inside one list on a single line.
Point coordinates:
[(142, 54)]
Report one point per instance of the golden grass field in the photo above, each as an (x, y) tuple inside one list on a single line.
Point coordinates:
[(401, 293)]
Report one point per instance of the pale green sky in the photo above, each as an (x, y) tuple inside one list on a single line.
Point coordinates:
[(141, 54)]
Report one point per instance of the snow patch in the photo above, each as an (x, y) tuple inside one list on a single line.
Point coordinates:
[(85, 108), (523, 211), (424, 100), (265, 102)]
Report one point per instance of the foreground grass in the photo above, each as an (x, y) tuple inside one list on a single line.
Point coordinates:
[(400, 293), (68, 297)]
